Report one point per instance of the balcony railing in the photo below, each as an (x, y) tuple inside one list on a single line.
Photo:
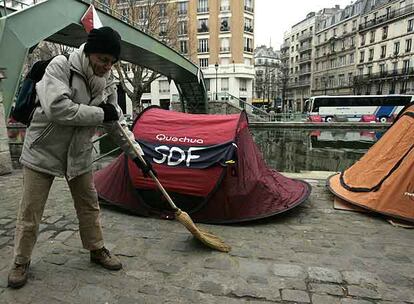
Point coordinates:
[(305, 36), (224, 49), (407, 72), (203, 50), (305, 47), (305, 59), (224, 28), (305, 71), (248, 49), (248, 8), (182, 12), (224, 8), (248, 29), (202, 10), (203, 29), (303, 83), (389, 16)]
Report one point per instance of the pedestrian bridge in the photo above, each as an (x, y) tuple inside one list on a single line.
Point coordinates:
[(59, 21)]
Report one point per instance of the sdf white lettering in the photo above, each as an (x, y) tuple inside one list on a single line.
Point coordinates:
[(166, 154), (185, 139)]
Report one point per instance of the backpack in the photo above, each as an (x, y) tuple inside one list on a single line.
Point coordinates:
[(25, 104)]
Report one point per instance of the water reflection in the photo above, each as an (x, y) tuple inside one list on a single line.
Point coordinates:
[(287, 150), (295, 150)]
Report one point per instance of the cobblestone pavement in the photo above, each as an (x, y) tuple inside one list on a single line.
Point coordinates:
[(311, 254)]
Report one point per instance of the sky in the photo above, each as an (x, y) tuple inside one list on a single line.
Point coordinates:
[(274, 17)]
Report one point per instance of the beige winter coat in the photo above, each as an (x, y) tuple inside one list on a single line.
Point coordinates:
[(59, 139)]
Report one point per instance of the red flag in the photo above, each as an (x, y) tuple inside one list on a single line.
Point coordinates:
[(90, 19)]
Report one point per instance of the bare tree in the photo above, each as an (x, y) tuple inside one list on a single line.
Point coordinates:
[(158, 18), (284, 81)]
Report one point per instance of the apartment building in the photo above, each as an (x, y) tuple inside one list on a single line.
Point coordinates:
[(267, 79), (336, 38), (385, 50), (298, 53), (299, 39), (217, 35)]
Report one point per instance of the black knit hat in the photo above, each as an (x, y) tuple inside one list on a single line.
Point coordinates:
[(104, 40)]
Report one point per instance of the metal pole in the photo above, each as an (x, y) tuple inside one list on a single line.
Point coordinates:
[(216, 67)]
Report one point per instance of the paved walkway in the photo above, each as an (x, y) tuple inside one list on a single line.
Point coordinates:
[(312, 254)]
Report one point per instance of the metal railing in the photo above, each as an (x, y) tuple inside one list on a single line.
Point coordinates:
[(389, 16)]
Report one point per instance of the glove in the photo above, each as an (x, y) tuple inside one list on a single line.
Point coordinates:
[(110, 112), (145, 168)]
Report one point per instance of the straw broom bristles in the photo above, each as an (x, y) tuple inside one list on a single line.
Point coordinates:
[(205, 237)]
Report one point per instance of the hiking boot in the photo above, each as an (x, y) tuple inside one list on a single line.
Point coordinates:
[(104, 258), (18, 275)]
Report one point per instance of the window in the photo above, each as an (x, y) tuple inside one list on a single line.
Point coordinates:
[(183, 47), (395, 67), (248, 25), (163, 29), (410, 25), (369, 70), (351, 58), (396, 47), (202, 25), (248, 5), (383, 68), (350, 78), (224, 45), (352, 41), (182, 28), (341, 80), (372, 36), (384, 32), (204, 62), (248, 44), (361, 56), (143, 13), (408, 44), (383, 51), (225, 24), (182, 8), (202, 6), (371, 55), (225, 5), (243, 84), (354, 25), (406, 66), (164, 86), (203, 46), (162, 10), (362, 39), (224, 84)]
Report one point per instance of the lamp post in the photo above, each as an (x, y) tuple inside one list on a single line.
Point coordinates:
[(216, 67)]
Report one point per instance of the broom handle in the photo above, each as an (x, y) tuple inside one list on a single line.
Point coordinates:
[(164, 192)]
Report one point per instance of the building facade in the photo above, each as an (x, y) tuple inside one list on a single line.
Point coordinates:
[(336, 38), (385, 50), (267, 80), (217, 35), (299, 61), (298, 54)]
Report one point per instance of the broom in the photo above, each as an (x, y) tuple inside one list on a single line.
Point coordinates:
[(205, 237)]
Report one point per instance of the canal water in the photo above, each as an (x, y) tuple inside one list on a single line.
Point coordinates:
[(295, 150), (286, 150)]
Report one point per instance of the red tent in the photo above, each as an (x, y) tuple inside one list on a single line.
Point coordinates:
[(210, 166)]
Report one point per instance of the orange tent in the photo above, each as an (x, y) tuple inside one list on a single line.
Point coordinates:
[(383, 179)]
